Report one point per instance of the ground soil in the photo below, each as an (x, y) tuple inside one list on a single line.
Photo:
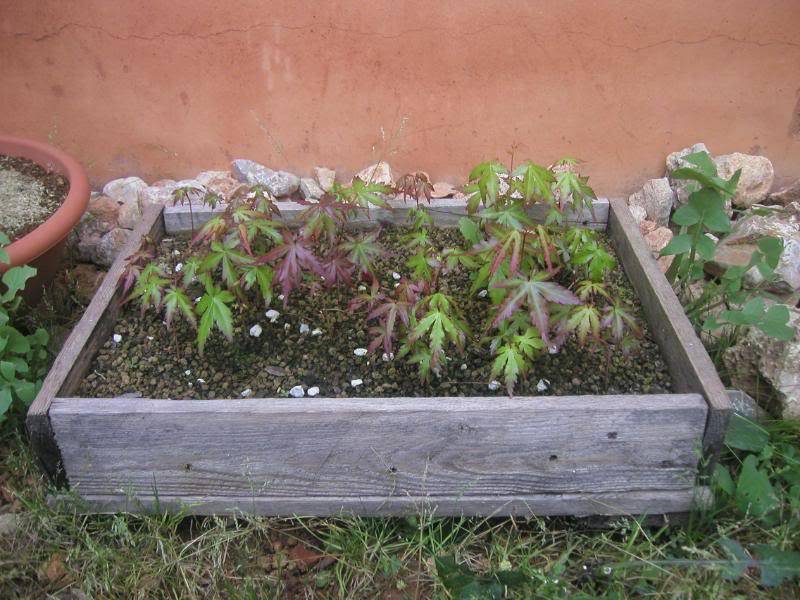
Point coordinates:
[(29, 195), (155, 362)]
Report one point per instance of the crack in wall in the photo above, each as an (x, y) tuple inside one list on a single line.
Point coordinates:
[(515, 24)]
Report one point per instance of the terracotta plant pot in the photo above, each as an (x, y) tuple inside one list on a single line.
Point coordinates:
[(43, 247)]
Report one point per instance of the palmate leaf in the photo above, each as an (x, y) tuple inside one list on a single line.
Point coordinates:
[(324, 217), (336, 269), (533, 181), (149, 288), (363, 250), (512, 216), (176, 302), (470, 230), (214, 312), (513, 358), (618, 321), (585, 322), (534, 294), (486, 178), (365, 194), (575, 187), (225, 254), (598, 261), (260, 277), (293, 257), (440, 323)]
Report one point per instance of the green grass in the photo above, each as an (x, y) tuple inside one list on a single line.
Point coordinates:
[(56, 550)]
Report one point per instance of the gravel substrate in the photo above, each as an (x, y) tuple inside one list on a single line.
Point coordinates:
[(151, 361), (29, 194)]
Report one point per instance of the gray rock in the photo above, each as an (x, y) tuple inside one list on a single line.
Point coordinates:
[(790, 193), (279, 183), (309, 189), (736, 248), (220, 183), (442, 189), (158, 193), (657, 199), (130, 213), (325, 177), (682, 187), (124, 190), (380, 172), (756, 178), (768, 369), (638, 213), (9, 524), (243, 169), (743, 404), (102, 250)]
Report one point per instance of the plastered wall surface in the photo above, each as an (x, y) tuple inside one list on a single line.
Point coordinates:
[(166, 89)]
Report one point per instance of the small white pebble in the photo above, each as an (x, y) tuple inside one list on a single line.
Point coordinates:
[(200, 380), (360, 351), (150, 338), (396, 285), (286, 326), (396, 276), (190, 384), (178, 267), (463, 366), (304, 328), (313, 391), (281, 296), (196, 300), (176, 252), (494, 385), (255, 330), (117, 338), (297, 391), (187, 372), (553, 349), (317, 331), (356, 382), (362, 288), (483, 293), (387, 357), (247, 393), (272, 315), (542, 385)]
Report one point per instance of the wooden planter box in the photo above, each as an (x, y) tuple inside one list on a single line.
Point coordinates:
[(580, 455)]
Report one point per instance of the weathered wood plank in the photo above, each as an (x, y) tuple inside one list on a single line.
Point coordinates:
[(650, 502), (83, 342), (689, 364), (445, 213), (374, 447)]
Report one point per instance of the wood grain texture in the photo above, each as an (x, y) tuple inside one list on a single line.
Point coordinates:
[(80, 347), (646, 502), (445, 213), (689, 364), (383, 448)]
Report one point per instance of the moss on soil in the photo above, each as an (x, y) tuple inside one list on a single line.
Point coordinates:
[(154, 362), (29, 194)]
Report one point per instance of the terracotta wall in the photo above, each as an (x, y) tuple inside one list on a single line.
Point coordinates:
[(168, 88)]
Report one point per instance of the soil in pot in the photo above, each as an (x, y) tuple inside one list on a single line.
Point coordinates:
[(151, 361), (29, 195)]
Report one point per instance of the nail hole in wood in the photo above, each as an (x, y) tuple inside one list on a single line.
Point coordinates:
[(612, 435), (553, 457)]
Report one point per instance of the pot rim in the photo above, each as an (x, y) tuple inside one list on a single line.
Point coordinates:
[(51, 232)]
